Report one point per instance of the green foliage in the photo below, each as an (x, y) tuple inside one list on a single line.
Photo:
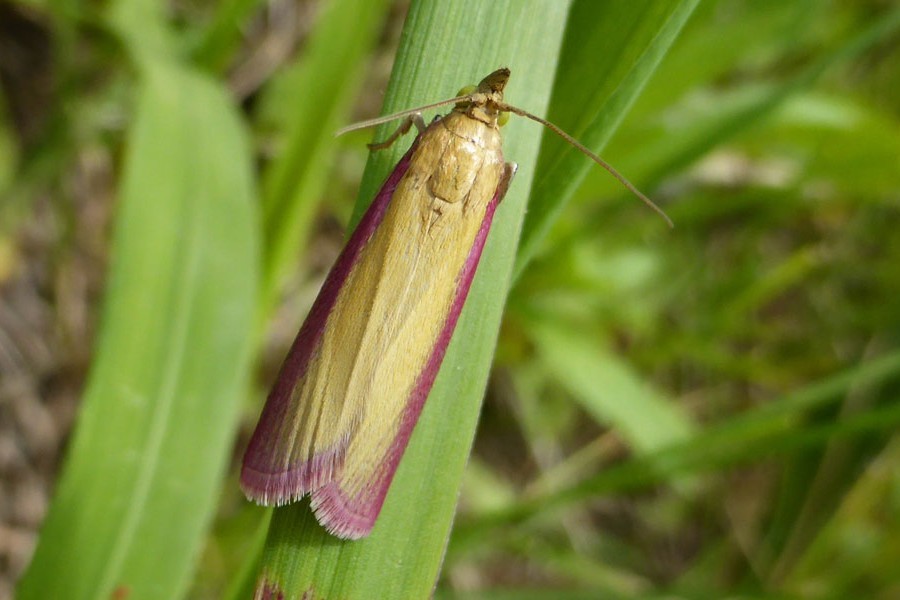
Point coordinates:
[(700, 412), (154, 431)]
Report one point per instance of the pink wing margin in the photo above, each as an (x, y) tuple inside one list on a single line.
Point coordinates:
[(263, 478), (354, 517)]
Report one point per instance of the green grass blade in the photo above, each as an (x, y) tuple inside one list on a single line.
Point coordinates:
[(444, 46), (217, 43), (736, 112), (307, 104), (620, 43), (761, 433), (154, 432), (607, 390)]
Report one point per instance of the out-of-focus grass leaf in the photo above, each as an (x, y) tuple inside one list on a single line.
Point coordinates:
[(306, 105), (816, 482), (608, 390), (218, 41), (861, 538), (848, 142), (152, 439), (142, 24), (758, 434), (8, 151), (526, 594), (243, 582), (710, 117), (625, 42), (445, 46)]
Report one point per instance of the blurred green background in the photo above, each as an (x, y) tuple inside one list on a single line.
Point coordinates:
[(707, 411)]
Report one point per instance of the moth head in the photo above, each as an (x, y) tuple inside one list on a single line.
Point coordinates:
[(495, 82), (485, 100)]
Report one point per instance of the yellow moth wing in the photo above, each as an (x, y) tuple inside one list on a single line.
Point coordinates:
[(427, 233)]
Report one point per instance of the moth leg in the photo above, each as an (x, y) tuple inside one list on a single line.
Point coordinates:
[(405, 124), (509, 171)]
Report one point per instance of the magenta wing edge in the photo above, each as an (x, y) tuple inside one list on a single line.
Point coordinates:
[(263, 479), (354, 517)]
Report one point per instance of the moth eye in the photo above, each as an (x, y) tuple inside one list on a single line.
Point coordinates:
[(466, 90), (503, 119)]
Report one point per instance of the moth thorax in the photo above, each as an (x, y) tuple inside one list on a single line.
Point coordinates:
[(484, 112)]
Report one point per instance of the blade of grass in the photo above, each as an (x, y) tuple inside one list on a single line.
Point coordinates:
[(218, 42), (243, 582), (760, 433), (9, 152), (608, 391), (820, 479), (307, 102), (154, 431), (444, 46), (622, 43), (731, 113)]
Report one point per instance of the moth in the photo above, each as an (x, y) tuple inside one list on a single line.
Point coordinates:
[(340, 414)]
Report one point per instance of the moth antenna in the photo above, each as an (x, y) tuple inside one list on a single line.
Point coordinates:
[(405, 113), (612, 171)]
